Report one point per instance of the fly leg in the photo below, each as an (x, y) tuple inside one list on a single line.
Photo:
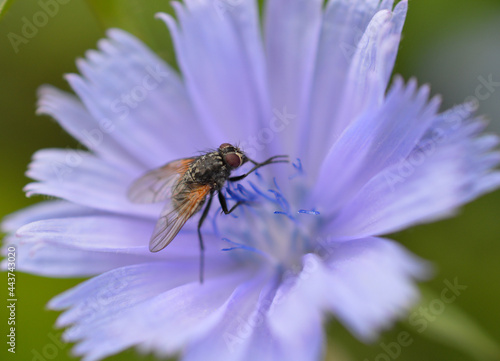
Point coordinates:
[(223, 204), (202, 247), (257, 165)]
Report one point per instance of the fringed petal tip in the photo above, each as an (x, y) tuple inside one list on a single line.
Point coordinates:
[(387, 280), (343, 279), (167, 18), (100, 312), (454, 155), (45, 94)]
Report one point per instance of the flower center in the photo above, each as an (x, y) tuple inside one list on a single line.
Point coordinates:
[(267, 226)]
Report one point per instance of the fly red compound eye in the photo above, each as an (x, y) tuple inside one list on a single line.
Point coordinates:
[(233, 159), (225, 145)]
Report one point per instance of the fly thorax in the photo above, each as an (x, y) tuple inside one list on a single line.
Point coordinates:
[(209, 169)]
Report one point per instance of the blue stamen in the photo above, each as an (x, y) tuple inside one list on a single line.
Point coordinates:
[(281, 200), (276, 185), (312, 212), (298, 167), (233, 196), (237, 192), (230, 249), (285, 206), (241, 246), (245, 193), (260, 193)]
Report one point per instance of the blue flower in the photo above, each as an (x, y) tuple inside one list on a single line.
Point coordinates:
[(306, 243)]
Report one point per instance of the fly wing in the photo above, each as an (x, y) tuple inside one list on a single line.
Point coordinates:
[(172, 217), (156, 185)]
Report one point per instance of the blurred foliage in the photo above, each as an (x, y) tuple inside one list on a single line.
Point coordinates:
[(440, 320), (464, 247), (4, 6)]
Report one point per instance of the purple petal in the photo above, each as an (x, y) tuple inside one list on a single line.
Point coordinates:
[(93, 244), (304, 338), (366, 283), (115, 234), (440, 175), (243, 332), (231, 336), (164, 323), (122, 288), (115, 290), (137, 94), (371, 67), (43, 210), (226, 86), (372, 143), (51, 260), (292, 30), (100, 233), (216, 341), (85, 179), (76, 120), (308, 344), (355, 58), (298, 297), (371, 269)]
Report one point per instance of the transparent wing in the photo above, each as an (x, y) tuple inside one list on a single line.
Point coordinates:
[(156, 185), (172, 219)]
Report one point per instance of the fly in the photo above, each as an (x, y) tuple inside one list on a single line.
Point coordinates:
[(186, 184)]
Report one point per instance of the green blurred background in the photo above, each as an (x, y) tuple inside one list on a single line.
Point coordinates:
[(447, 43)]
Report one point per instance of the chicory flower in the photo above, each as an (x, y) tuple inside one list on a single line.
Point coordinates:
[(311, 81)]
